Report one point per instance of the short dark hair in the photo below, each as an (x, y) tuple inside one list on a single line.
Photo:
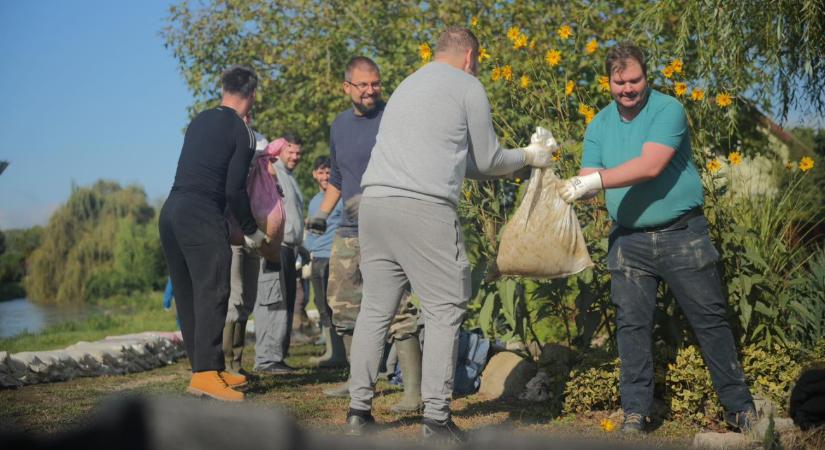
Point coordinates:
[(620, 53), (293, 138), (321, 162), (456, 39), (360, 62), (239, 80)]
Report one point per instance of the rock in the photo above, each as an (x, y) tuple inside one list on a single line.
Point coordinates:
[(538, 388), (506, 375), (780, 425), (723, 441), (556, 355)]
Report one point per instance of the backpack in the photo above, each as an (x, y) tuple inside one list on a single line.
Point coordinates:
[(473, 353)]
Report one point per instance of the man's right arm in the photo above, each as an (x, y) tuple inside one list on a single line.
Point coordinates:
[(488, 157)]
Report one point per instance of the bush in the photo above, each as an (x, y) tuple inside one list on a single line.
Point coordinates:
[(593, 384)]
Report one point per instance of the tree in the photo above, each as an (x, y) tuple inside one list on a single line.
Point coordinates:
[(103, 241)]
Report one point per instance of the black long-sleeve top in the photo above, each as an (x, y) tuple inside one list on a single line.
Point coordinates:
[(214, 162)]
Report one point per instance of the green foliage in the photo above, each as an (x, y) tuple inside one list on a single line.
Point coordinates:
[(689, 389), (593, 384), (18, 245), (103, 241)]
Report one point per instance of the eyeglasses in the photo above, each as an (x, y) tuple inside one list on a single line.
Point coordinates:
[(363, 86)]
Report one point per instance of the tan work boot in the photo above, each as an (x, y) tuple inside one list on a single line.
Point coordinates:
[(233, 380), (211, 384)]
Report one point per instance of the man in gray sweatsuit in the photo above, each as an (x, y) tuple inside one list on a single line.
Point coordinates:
[(436, 128)]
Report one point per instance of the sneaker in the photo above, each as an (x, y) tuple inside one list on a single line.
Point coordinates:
[(743, 421), (634, 423), (278, 368), (359, 422), (211, 384), (441, 430), (233, 380)]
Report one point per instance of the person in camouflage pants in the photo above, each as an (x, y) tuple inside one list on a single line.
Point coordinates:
[(352, 137), (344, 295)]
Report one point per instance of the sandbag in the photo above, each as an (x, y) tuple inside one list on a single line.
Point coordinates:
[(543, 238), (265, 201)]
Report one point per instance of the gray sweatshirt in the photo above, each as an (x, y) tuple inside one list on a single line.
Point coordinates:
[(293, 206), (436, 129)]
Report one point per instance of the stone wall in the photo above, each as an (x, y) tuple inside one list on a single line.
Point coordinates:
[(115, 355)]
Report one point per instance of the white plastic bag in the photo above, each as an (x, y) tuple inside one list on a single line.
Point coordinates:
[(543, 238)]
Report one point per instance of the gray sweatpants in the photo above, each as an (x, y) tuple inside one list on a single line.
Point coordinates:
[(243, 283), (409, 242), (271, 321)]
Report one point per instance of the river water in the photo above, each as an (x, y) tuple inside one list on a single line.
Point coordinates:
[(19, 315)]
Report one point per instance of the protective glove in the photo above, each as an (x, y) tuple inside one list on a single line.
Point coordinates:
[(254, 240), (303, 253), (317, 224), (583, 186), (306, 271), (351, 207), (540, 151)]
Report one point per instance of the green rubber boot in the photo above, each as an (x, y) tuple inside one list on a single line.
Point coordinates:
[(409, 358)]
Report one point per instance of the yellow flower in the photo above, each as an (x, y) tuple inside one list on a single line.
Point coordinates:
[(714, 165), (520, 41), (587, 112), (517, 180), (608, 425), (789, 165), (676, 65), (532, 44), (604, 83), (591, 47), (513, 33), (425, 52), (568, 88), (667, 72), (680, 89), (723, 100), (806, 163), (496, 73), (474, 21), (564, 31), (557, 155), (507, 73), (697, 95), (524, 81), (735, 158), (482, 54), (553, 57)]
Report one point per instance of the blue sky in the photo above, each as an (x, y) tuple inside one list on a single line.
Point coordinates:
[(91, 92)]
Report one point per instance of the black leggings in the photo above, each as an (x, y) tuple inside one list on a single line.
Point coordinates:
[(195, 241)]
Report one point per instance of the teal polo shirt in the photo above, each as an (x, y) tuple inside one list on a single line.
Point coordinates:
[(611, 141)]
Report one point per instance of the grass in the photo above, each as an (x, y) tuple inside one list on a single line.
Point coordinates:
[(119, 315)]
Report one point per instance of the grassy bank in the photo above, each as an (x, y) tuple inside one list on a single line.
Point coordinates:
[(117, 315), (56, 407)]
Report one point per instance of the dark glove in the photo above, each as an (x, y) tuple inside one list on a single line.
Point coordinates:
[(317, 224), (303, 253), (351, 207)]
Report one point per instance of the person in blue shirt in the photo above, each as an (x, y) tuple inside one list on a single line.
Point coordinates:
[(320, 250), (638, 150)]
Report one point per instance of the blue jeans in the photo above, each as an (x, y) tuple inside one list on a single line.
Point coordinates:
[(685, 259)]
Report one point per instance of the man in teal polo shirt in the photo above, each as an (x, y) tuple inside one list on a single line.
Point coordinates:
[(638, 150)]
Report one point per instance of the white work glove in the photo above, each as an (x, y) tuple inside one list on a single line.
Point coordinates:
[(583, 186), (540, 151), (255, 240)]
